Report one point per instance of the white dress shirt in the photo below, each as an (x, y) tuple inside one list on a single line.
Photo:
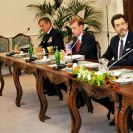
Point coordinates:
[(124, 41)]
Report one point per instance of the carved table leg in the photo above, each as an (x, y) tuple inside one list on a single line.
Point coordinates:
[(123, 116), (16, 73), (1, 80), (42, 98), (75, 116), (117, 110)]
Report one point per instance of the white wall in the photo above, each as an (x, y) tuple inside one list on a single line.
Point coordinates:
[(15, 17)]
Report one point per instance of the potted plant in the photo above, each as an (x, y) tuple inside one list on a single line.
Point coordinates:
[(63, 12)]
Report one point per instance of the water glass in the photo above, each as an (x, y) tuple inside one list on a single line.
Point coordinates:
[(50, 50), (62, 57), (103, 63), (40, 53)]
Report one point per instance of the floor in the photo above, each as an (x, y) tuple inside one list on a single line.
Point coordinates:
[(25, 119)]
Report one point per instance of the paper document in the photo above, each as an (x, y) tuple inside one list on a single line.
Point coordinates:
[(72, 57), (24, 47), (52, 65), (125, 76), (88, 64)]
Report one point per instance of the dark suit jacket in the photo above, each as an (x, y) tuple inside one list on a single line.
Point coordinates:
[(87, 46), (54, 38), (112, 51)]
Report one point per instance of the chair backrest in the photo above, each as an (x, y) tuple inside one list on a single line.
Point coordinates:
[(4, 44), (22, 39), (98, 50)]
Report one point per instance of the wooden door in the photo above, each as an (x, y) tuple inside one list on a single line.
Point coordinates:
[(128, 11)]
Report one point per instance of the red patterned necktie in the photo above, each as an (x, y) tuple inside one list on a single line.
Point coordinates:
[(121, 49), (78, 46)]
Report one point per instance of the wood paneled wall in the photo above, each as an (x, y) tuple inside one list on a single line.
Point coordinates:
[(128, 11)]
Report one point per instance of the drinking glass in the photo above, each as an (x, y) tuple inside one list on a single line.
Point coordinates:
[(50, 50), (40, 53), (62, 57), (103, 63)]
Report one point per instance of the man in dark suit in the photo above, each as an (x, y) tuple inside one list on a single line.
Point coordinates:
[(86, 41), (119, 46), (121, 27), (85, 45), (51, 38)]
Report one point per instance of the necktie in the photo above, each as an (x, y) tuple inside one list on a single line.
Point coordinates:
[(78, 46), (121, 48)]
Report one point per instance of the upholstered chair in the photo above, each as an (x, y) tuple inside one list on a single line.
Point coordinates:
[(4, 47)]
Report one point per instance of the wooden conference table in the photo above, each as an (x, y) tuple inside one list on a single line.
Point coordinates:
[(121, 116), (57, 77), (39, 71)]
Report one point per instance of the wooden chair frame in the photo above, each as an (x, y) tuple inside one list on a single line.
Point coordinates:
[(19, 38), (7, 50), (7, 39)]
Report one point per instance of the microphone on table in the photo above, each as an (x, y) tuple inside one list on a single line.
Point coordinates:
[(69, 48), (74, 44), (17, 44), (68, 51), (23, 36), (13, 52), (74, 60), (120, 58)]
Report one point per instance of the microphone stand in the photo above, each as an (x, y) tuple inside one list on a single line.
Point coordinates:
[(71, 50), (14, 51), (120, 58), (74, 44), (22, 37)]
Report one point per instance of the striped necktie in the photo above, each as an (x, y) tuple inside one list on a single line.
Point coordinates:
[(121, 48)]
